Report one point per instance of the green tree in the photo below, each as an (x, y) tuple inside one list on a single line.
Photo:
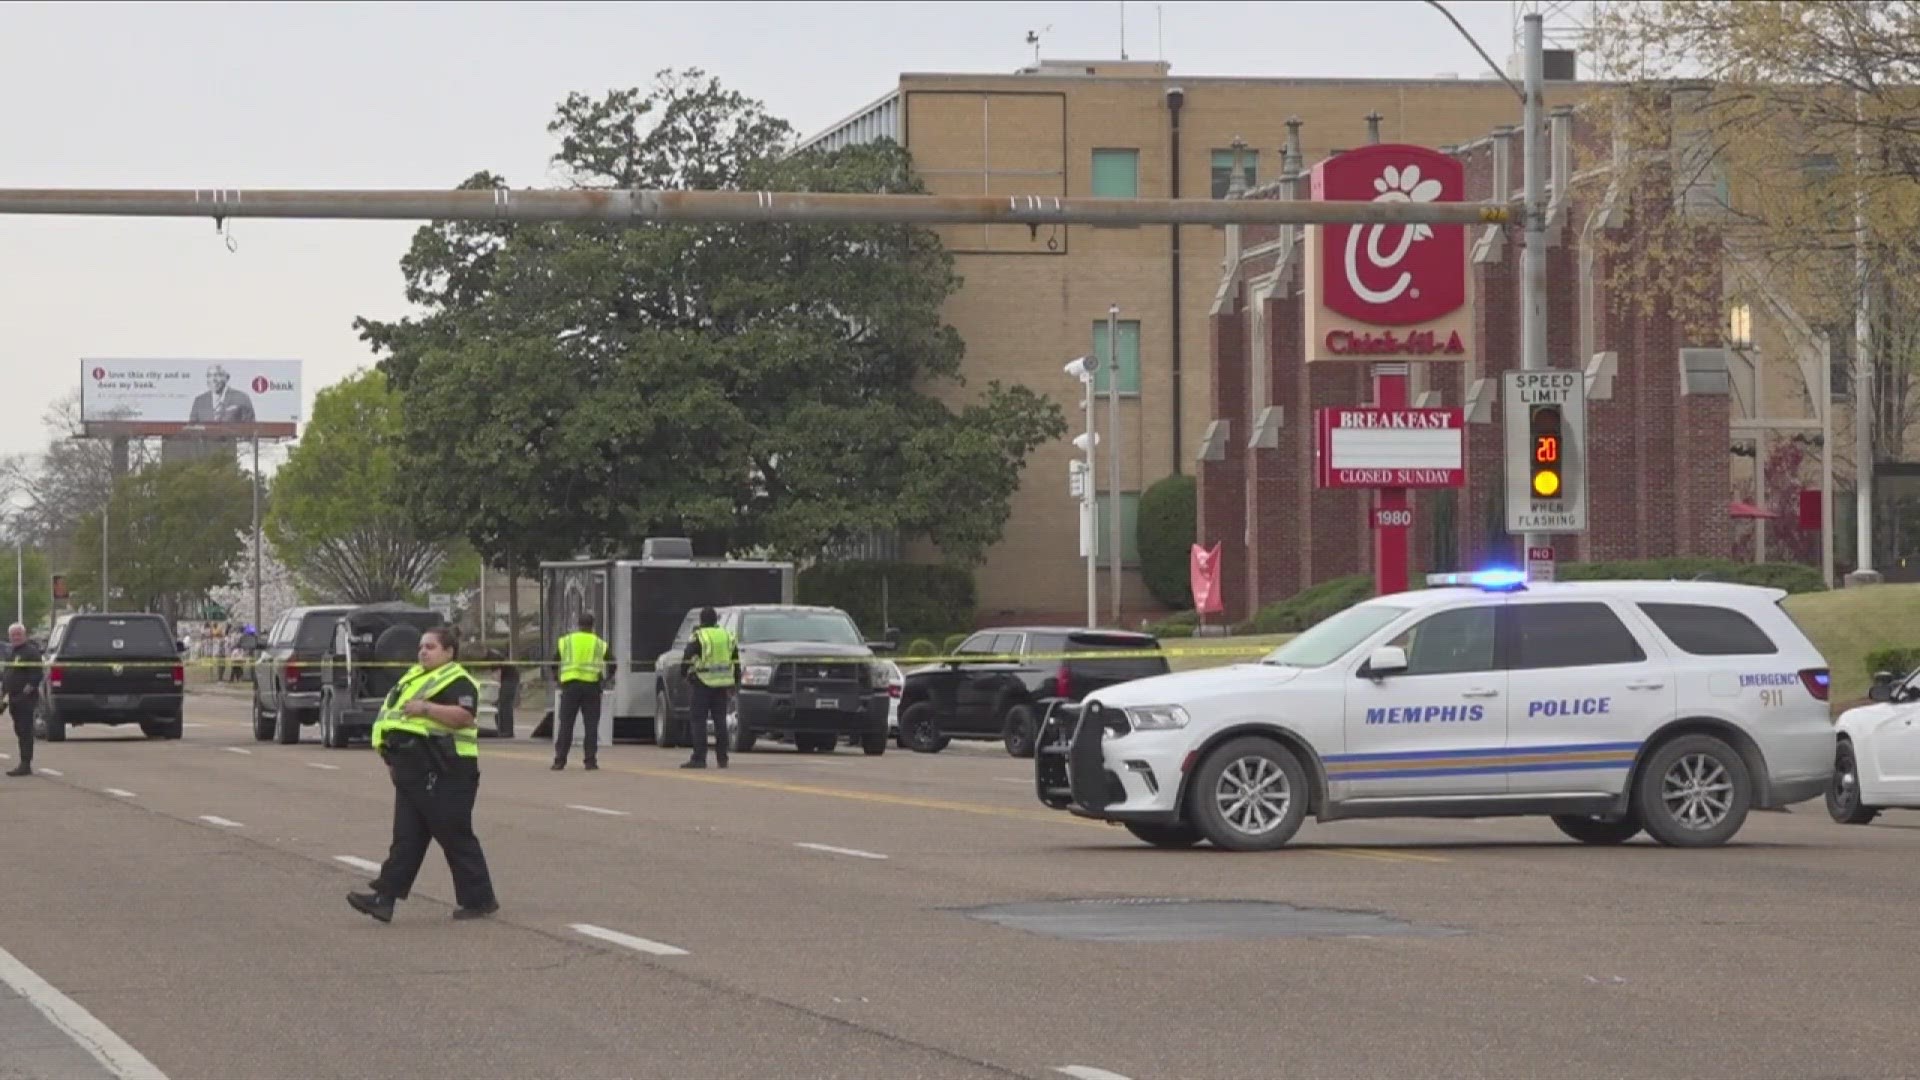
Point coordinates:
[(1169, 520), (340, 517), (175, 531), (32, 569), (571, 387)]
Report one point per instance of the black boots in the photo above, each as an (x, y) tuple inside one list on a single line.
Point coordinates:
[(22, 769), (380, 907)]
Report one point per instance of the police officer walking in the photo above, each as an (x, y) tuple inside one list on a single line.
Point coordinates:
[(23, 693), (711, 665), (426, 734), (586, 669)]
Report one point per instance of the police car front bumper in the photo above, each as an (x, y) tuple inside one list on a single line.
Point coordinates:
[(1090, 762)]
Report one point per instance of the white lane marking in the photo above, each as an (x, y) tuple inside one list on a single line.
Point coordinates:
[(359, 863), (220, 821), (193, 725), (110, 1050), (831, 850), (637, 944), (236, 750), (50, 772), (1087, 1072), (598, 810), (321, 765), (121, 792), (1016, 780), (6, 757)]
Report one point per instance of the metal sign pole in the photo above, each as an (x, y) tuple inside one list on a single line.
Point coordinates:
[(1533, 309), (1113, 459)]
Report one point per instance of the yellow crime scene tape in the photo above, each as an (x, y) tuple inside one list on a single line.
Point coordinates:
[(1169, 653)]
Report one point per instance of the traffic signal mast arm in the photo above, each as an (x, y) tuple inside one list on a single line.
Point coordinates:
[(716, 207)]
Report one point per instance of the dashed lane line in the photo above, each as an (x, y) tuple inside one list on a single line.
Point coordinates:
[(236, 750), (831, 850), (1087, 1072), (599, 810), (322, 765), (122, 793), (628, 941), (220, 821), (50, 772), (358, 863)]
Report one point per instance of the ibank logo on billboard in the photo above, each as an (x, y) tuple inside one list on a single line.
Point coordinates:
[(1389, 292)]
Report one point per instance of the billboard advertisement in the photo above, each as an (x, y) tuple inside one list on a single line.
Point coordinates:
[(1365, 447), (209, 398)]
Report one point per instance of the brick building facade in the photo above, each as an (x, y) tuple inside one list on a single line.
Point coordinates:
[(1658, 422)]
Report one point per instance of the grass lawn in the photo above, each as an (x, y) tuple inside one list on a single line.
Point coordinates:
[(1845, 625)]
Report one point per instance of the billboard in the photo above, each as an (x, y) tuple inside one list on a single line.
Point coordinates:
[(1389, 292), (208, 398)]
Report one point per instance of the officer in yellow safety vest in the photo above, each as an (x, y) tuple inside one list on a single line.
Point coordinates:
[(586, 669), (711, 665), (425, 732)]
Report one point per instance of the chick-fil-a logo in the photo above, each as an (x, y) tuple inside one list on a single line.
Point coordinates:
[(1392, 275)]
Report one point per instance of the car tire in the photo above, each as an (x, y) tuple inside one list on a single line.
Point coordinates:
[(663, 733), (56, 727), (1242, 824), (174, 729), (1694, 792), (873, 745), (743, 740), (286, 725), (1020, 731), (1166, 836), (263, 723), (1843, 790), (920, 727), (1597, 830)]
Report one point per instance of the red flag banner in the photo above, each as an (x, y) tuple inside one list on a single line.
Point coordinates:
[(1203, 574)]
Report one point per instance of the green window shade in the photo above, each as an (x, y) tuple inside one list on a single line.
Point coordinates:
[(1129, 527), (1223, 170), (1116, 173), (1129, 344)]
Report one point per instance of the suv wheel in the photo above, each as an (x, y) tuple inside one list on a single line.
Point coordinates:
[(286, 725), (663, 733), (1020, 731), (1166, 836), (1694, 792), (56, 728), (1249, 795), (1598, 830), (874, 745), (920, 727), (263, 723), (1843, 792)]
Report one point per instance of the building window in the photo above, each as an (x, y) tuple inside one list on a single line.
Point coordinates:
[(1116, 173), (1127, 339), (1129, 527), (1223, 170)]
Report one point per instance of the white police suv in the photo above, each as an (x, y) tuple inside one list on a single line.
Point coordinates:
[(1613, 707)]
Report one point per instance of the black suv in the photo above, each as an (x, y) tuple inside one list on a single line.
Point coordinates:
[(286, 672), (805, 674), (1021, 671), (113, 669)]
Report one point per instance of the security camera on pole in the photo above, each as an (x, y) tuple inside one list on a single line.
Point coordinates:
[(1081, 477)]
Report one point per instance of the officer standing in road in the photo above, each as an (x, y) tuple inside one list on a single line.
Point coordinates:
[(586, 669), (426, 734), (711, 665), (23, 692)]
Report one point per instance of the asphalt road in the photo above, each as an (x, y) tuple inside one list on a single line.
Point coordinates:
[(190, 897)]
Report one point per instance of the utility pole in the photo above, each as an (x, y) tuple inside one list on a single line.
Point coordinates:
[(1533, 309), (1863, 572), (257, 620), (1113, 457)]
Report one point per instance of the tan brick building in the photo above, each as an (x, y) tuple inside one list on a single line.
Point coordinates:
[(1035, 299)]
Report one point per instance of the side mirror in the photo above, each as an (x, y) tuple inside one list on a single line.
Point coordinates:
[(1880, 677), (1385, 661), (1881, 692), (893, 636)]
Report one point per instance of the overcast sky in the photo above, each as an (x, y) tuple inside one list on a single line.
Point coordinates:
[(422, 95)]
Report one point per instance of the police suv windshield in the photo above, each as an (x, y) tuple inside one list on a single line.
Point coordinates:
[(826, 627), (1331, 639)]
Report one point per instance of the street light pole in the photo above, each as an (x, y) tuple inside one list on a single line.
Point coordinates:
[(1090, 504), (1113, 457), (1533, 310)]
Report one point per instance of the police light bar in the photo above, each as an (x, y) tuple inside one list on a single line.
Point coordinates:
[(1490, 580)]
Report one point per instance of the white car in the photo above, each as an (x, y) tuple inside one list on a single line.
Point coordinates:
[(1876, 765), (1673, 707)]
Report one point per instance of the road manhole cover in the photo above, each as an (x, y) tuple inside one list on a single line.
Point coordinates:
[(1150, 919)]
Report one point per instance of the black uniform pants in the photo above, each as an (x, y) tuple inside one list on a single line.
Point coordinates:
[(429, 807), (22, 708), (582, 700), (709, 703)]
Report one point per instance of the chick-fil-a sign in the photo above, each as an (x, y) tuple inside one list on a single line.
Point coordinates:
[(1410, 278)]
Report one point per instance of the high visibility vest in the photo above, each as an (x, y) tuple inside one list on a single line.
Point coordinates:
[(582, 657), (715, 667), (421, 683)]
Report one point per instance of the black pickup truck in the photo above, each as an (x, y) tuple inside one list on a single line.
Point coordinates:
[(1001, 681), (113, 669)]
